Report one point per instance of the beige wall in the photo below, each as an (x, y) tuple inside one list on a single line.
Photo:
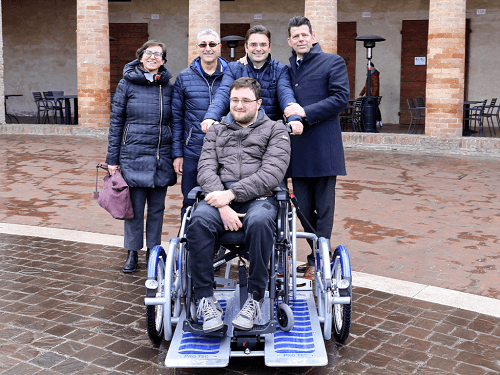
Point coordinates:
[(39, 50), (40, 43)]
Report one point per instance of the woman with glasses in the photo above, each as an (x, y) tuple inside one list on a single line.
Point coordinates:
[(139, 143)]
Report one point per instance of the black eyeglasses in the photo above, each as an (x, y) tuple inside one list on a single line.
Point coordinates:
[(211, 45), (156, 55)]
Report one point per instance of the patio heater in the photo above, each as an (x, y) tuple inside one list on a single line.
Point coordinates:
[(232, 43), (369, 110)]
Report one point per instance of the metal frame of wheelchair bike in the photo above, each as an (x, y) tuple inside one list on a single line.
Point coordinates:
[(168, 288)]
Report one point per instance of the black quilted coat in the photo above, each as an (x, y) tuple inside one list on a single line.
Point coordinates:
[(256, 156), (140, 138)]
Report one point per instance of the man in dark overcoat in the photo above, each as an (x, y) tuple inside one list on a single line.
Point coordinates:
[(321, 88)]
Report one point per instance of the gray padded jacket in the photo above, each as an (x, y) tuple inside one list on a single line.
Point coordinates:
[(255, 156)]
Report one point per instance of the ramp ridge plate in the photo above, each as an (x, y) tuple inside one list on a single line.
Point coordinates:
[(192, 343), (300, 338)]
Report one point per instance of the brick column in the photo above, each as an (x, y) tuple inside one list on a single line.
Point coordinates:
[(93, 62), (203, 14), (2, 82), (323, 17), (445, 68)]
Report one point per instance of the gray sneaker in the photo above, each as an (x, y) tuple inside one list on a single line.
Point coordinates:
[(249, 311), (212, 314)]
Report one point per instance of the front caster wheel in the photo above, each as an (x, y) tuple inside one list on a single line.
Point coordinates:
[(285, 317)]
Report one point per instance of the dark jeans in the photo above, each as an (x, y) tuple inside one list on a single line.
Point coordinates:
[(189, 181), (316, 197), (204, 230), (134, 228)]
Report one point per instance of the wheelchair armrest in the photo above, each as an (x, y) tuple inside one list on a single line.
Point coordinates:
[(195, 193)]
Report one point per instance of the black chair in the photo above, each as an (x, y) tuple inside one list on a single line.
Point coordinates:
[(491, 111), (346, 117), (415, 115), (43, 108), (57, 105), (476, 114)]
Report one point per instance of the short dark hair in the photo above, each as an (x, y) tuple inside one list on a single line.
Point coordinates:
[(251, 83), (258, 29), (151, 43), (298, 21)]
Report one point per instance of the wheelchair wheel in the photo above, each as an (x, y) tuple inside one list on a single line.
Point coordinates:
[(341, 313), (154, 314), (175, 285), (284, 315)]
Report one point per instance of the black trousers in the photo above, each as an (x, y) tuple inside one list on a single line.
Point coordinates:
[(316, 197), (205, 227)]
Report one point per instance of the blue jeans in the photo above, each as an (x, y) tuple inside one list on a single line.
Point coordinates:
[(134, 228), (204, 230), (188, 182), (316, 197)]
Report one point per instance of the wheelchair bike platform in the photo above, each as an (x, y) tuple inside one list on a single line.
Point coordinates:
[(302, 346)]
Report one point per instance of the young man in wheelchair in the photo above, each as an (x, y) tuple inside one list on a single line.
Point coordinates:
[(243, 158)]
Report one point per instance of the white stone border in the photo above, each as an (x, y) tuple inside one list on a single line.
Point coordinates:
[(442, 296)]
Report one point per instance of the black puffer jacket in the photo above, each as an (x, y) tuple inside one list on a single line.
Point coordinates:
[(140, 138), (256, 156)]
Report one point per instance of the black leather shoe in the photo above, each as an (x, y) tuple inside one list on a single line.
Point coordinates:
[(130, 264), (148, 251)]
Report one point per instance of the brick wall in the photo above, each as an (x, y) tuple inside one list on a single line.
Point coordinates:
[(323, 17), (445, 68), (2, 83), (203, 14), (93, 63)]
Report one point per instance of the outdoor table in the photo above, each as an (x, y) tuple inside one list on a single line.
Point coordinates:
[(5, 106), (67, 106)]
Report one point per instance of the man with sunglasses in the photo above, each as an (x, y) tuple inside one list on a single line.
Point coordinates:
[(194, 90), (271, 74)]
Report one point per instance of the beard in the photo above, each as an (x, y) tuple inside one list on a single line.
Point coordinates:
[(243, 118)]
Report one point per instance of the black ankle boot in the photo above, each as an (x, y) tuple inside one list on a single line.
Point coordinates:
[(130, 264)]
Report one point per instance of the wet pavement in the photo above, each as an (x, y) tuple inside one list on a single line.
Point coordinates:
[(66, 307)]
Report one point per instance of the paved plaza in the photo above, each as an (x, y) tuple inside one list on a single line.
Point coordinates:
[(421, 229)]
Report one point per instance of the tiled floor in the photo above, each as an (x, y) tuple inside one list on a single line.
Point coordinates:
[(67, 308)]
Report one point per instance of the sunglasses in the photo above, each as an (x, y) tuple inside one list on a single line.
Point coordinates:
[(211, 45)]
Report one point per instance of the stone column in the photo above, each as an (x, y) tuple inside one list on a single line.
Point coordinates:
[(203, 14), (2, 82), (445, 68), (93, 63), (323, 17)]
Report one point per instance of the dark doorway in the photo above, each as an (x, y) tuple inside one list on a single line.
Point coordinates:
[(346, 48), (413, 77), (239, 29), (128, 37)]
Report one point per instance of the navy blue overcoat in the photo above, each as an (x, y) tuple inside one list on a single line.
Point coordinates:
[(321, 87)]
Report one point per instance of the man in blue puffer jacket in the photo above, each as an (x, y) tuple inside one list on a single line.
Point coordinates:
[(194, 90), (272, 75)]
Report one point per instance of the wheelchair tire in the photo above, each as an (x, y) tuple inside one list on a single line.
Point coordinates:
[(285, 318), (154, 314), (341, 313)]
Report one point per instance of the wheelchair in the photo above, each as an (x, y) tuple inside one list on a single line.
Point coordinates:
[(294, 308)]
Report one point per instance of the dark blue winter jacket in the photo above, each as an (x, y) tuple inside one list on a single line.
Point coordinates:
[(192, 96), (274, 79), (140, 138)]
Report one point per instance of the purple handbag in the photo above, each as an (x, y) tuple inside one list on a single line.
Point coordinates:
[(115, 194)]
